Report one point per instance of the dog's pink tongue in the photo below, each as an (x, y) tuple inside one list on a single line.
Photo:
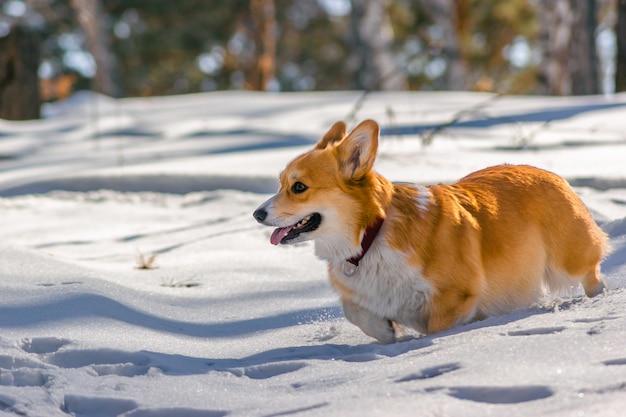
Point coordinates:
[(279, 234)]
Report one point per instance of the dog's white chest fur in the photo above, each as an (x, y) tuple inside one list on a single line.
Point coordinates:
[(385, 284)]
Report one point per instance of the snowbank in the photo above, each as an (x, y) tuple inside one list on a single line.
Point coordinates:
[(219, 322)]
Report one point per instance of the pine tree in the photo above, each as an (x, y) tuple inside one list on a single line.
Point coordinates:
[(19, 83), (373, 42), (91, 19), (620, 30), (567, 41)]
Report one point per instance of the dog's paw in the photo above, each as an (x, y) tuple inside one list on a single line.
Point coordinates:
[(372, 325), (386, 335)]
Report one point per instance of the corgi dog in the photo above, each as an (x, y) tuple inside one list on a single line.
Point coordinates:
[(432, 257)]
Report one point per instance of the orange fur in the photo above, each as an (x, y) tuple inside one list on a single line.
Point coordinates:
[(494, 241)]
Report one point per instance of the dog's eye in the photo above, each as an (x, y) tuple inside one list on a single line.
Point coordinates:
[(298, 188)]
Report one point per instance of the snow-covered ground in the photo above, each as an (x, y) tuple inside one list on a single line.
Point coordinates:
[(223, 323)]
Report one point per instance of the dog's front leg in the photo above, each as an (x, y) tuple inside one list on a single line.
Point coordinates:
[(372, 325)]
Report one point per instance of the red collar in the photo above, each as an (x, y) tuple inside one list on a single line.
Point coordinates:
[(368, 238)]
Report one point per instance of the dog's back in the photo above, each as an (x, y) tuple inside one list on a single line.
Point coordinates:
[(496, 240)]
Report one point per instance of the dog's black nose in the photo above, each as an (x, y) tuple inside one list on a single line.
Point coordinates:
[(260, 215)]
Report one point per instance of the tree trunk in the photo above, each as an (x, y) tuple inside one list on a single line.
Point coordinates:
[(443, 13), (91, 20), (19, 82), (620, 30), (373, 40), (570, 63), (556, 23), (264, 34), (584, 58)]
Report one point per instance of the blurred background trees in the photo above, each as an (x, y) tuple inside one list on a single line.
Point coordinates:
[(156, 47), (620, 30)]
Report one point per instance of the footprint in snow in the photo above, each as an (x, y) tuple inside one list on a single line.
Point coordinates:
[(52, 284), (103, 361), (43, 344), (29, 371), (170, 412), (614, 362), (593, 319), (297, 410), (267, 371), (80, 405), (78, 358), (8, 362), (536, 331), (432, 372), (501, 395), (10, 405), (24, 377)]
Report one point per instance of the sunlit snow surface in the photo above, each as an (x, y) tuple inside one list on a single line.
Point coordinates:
[(222, 322)]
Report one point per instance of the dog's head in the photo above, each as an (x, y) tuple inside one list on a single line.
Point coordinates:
[(326, 194)]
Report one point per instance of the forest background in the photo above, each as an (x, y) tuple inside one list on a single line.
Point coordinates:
[(129, 48)]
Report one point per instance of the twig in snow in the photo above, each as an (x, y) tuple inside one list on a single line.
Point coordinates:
[(146, 262), (428, 136)]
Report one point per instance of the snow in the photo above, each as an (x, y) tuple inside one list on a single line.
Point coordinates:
[(222, 323)]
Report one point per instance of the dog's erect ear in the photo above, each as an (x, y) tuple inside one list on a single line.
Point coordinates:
[(335, 134), (357, 151)]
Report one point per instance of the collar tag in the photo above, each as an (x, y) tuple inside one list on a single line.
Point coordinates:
[(348, 268)]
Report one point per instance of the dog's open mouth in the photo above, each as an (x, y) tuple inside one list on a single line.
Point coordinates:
[(287, 234)]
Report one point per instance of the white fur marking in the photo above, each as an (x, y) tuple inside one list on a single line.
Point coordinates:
[(423, 198), (385, 285)]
